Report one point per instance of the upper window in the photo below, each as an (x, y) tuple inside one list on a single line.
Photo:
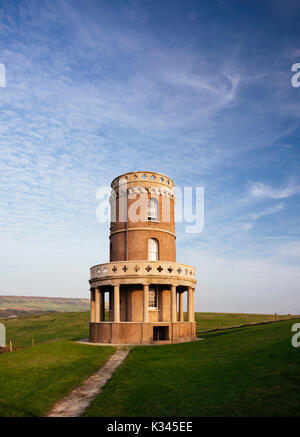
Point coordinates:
[(153, 209), (152, 249)]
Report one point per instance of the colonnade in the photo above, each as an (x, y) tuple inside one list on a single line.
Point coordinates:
[(98, 304)]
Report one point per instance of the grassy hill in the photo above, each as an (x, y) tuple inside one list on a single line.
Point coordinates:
[(21, 305), (33, 379), (248, 371), (251, 371), (46, 327), (211, 321)]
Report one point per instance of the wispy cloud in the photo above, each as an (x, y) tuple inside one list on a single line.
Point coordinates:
[(249, 220), (261, 190), (271, 210)]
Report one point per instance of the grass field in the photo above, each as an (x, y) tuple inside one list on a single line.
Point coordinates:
[(209, 321), (45, 327), (32, 380), (250, 371)]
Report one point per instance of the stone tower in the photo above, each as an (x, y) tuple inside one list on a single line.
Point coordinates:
[(143, 281)]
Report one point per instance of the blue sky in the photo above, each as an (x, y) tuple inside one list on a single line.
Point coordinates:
[(198, 90)]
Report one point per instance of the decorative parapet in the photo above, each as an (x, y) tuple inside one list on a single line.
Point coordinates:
[(153, 191), (152, 183), (143, 176), (126, 269)]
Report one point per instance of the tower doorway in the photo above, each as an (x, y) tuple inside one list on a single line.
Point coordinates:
[(160, 333)]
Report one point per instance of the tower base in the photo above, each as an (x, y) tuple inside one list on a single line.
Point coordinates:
[(142, 333)]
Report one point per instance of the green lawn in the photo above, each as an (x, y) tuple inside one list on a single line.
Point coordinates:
[(45, 327), (32, 380), (250, 371)]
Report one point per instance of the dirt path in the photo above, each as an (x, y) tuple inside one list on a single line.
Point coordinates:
[(79, 399)]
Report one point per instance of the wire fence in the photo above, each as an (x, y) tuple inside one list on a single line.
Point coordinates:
[(243, 325)]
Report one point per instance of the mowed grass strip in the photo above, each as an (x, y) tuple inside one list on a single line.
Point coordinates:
[(32, 380), (45, 327), (251, 371)]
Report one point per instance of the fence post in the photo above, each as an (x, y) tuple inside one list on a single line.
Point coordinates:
[(10, 346), (32, 342)]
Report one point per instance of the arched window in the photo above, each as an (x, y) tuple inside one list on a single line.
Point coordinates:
[(152, 249), (152, 209)]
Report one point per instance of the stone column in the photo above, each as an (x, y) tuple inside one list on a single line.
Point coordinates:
[(97, 304), (173, 304), (111, 306), (92, 305), (116, 303), (181, 307), (146, 303), (102, 307), (190, 305), (193, 299)]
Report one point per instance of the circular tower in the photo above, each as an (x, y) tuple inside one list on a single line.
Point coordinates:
[(143, 282)]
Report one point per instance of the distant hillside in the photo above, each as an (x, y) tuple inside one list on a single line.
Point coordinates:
[(21, 305)]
